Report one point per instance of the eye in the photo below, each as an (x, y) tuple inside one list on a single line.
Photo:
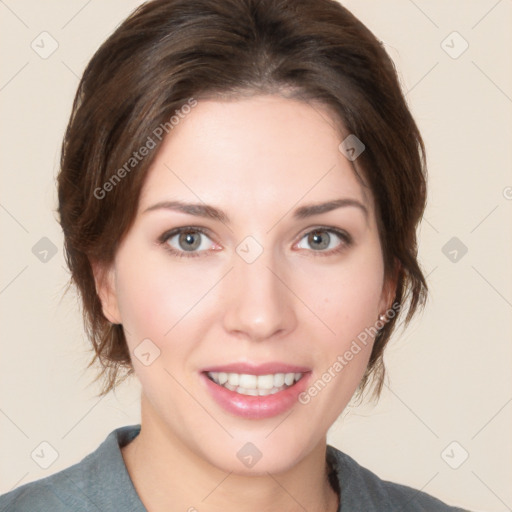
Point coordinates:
[(190, 241), (325, 240), (187, 241)]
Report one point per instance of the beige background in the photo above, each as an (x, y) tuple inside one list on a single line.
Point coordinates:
[(449, 373)]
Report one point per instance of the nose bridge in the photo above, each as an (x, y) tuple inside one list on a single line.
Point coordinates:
[(259, 304)]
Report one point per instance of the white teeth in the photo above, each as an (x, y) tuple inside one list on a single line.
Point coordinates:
[(233, 379), (279, 379), (265, 382), (255, 385), (248, 381), (289, 379)]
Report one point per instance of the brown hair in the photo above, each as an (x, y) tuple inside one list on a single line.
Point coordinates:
[(169, 51)]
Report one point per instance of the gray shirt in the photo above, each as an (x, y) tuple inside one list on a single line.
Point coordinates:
[(100, 482)]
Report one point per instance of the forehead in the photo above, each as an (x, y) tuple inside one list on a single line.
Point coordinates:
[(265, 150)]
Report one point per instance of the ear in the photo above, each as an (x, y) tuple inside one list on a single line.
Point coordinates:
[(104, 279), (389, 289)]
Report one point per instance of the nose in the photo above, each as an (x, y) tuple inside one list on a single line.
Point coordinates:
[(259, 303)]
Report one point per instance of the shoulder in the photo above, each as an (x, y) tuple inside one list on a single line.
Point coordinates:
[(57, 492), (363, 490), (83, 487)]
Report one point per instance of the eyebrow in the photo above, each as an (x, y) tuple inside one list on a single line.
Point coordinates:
[(208, 211)]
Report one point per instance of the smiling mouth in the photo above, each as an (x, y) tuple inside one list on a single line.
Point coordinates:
[(255, 385)]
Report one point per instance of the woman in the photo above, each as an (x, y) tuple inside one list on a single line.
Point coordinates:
[(240, 187)]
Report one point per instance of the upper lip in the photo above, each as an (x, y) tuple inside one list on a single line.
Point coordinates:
[(258, 369)]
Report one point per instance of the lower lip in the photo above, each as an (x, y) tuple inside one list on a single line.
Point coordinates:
[(256, 407)]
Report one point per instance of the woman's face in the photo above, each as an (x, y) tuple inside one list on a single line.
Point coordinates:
[(234, 270)]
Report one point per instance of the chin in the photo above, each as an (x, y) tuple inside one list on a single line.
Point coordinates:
[(255, 454)]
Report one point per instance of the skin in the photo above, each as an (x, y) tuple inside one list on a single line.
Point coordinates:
[(296, 303)]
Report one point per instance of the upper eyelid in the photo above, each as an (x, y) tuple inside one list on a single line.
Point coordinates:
[(176, 231)]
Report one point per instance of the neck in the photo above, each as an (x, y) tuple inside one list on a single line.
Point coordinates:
[(169, 476)]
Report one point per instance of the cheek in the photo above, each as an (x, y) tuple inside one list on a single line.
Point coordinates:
[(141, 304), (155, 298), (346, 296)]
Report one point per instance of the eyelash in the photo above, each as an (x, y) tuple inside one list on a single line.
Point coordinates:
[(346, 241)]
